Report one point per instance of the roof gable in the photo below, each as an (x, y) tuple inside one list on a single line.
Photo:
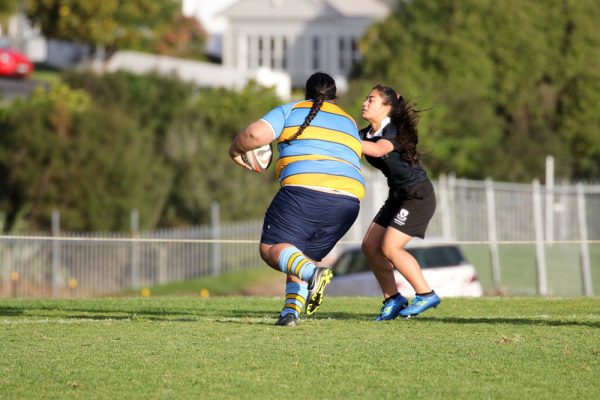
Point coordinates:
[(306, 9)]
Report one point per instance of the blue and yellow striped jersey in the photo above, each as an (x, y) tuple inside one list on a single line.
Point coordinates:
[(327, 154)]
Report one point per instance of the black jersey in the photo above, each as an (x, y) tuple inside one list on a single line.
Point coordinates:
[(398, 171)]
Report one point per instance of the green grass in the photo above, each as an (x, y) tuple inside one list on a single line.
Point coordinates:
[(225, 284), (228, 348), (518, 271), (45, 74)]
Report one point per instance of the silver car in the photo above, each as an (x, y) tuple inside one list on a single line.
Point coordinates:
[(444, 267)]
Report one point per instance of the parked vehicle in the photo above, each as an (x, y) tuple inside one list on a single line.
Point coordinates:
[(13, 63), (443, 265)]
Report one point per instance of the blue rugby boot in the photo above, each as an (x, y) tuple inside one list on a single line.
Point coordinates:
[(420, 304), (392, 307)]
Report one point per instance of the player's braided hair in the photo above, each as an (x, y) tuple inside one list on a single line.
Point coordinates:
[(319, 87), (405, 118)]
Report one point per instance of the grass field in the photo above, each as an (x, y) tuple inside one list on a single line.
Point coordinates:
[(518, 272), (228, 348)]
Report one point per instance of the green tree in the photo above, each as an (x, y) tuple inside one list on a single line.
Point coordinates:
[(59, 151), (110, 24), (7, 8), (506, 82)]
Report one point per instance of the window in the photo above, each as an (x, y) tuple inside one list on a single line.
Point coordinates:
[(315, 53), (284, 55), (355, 55), (272, 53), (260, 52), (341, 54)]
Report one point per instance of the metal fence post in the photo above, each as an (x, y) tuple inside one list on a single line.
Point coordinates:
[(451, 209), (586, 271), (444, 207), (492, 233), (55, 253), (216, 234), (135, 249), (549, 199), (540, 254)]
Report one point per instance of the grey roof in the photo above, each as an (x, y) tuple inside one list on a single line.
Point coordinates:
[(307, 9)]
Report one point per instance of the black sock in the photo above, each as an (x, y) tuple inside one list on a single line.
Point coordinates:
[(391, 298), (425, 294)]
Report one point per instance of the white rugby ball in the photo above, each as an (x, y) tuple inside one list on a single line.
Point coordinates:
[(259, 159)]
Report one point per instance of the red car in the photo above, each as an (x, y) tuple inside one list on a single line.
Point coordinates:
[(14, 64)]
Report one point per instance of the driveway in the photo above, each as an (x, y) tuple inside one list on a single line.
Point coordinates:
[(11, 88)]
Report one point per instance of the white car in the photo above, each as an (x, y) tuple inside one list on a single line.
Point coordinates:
[(444, 267)]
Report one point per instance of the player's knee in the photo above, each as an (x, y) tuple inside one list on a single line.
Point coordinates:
[(389, 249), (266, 253), (370, 249)]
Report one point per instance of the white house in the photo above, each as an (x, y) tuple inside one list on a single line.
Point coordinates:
[(298, 36)]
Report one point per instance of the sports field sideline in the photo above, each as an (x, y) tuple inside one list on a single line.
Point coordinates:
[(228, 348)]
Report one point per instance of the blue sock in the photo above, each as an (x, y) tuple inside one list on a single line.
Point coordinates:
[(295, 298), (293, 262)]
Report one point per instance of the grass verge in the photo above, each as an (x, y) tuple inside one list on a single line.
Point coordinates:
[(228, 348)]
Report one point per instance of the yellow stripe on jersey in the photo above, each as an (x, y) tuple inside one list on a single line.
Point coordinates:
[(296, 297), (328, 135), (329, 181), (327, 107)]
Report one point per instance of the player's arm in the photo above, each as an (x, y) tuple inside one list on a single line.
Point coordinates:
[(377, 149), (255, 135)]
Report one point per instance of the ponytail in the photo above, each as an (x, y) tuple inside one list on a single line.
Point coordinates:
[(319, 87), (311, 115)]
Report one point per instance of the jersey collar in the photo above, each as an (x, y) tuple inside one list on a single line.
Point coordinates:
[(379, 132)]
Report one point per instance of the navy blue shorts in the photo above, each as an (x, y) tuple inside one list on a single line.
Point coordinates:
[(311, 220)]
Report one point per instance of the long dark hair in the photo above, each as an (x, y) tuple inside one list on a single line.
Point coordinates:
[(319, 87), (405, 118)]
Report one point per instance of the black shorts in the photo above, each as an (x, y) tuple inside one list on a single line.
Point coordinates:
[(409, 209)]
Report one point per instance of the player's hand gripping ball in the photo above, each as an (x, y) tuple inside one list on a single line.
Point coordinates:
[(259, 159)]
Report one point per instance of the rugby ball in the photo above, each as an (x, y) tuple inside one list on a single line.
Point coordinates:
[(259, 159)]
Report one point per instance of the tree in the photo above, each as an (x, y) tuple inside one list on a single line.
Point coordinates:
[(59, 151), (109, 24), (184, 38), (7, 8), (507, 83)]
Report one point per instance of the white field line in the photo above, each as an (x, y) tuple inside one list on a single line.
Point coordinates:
[(75, 321)]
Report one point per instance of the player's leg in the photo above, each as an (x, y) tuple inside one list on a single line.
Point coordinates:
[(393, 301), (286, 230), (296, 292), (381, 267), (393, 248), (303, 278), (412, 219)]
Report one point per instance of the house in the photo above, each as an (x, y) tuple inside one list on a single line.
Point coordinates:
[(298, 36)]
